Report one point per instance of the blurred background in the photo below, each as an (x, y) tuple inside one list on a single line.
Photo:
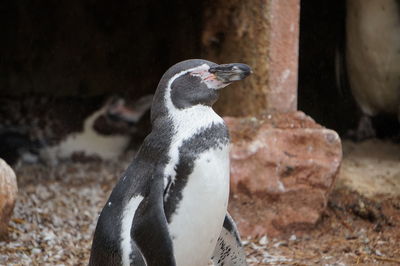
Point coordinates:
[(76, 81)]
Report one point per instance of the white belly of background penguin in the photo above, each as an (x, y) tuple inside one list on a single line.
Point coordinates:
[(170, 205)]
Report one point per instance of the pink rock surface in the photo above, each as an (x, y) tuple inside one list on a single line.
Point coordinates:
[(283, 167), (8, 194)]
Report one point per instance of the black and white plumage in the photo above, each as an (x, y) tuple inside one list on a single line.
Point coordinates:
[(52, 129), (102, 135), (170, 205)]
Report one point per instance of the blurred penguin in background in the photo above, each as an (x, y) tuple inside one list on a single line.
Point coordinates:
[(373, 63)]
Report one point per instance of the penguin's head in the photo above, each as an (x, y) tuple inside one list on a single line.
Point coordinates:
[(119, 110), (193, 82)]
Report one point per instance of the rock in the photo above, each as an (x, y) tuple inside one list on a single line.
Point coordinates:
[(283, 167), (8, 194)]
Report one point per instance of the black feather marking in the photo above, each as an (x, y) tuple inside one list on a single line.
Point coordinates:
[(210, 138)]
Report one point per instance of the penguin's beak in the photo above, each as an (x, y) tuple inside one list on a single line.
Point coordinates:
[(228, 73)]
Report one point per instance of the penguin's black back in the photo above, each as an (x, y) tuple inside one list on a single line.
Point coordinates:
[(136, 180)]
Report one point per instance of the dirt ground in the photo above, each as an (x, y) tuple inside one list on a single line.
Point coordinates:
[(57, 210), (353, 230), (361, 224)]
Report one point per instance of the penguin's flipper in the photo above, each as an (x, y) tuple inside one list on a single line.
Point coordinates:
[(229, 249), (150, 228)]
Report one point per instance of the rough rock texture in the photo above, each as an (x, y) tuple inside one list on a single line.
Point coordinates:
[(263, 34), (8, 194), (284, 164)]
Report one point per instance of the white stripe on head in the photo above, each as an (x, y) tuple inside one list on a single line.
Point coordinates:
[(186, 122), (127, 219)]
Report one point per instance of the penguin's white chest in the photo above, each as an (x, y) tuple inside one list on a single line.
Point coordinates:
[(196, 224)]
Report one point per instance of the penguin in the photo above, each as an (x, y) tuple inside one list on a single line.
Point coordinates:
[(103, 135), (49, 130), (373, 60), (136, 115), (121, 111), (170, 205)]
